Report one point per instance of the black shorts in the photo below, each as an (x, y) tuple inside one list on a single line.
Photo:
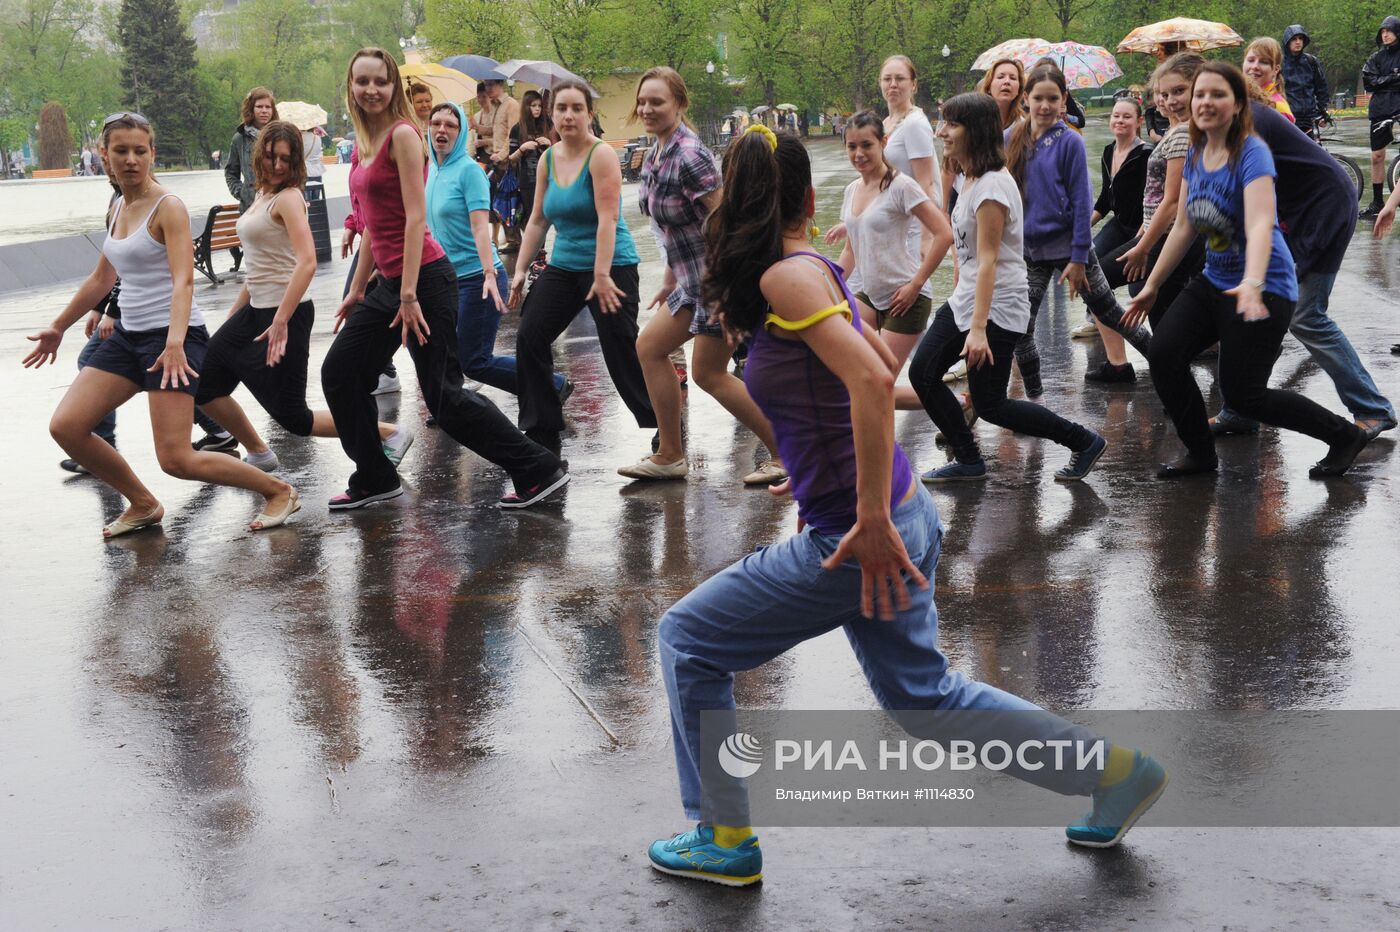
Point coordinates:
[(1383, 132), (237, 356), (129, 353)]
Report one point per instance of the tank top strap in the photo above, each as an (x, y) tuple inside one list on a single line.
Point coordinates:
[(844, 303), (146, 224)]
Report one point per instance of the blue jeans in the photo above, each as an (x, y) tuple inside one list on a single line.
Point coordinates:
[(779, 596), (1111, 235), (1331, 349), (477, 323)]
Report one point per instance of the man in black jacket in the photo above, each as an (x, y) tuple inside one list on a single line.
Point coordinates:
[(1303, 80), (1381, 77)]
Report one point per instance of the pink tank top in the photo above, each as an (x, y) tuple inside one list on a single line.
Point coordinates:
[(377, 196)]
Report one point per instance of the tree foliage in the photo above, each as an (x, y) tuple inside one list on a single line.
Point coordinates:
[(474, 27), (55, 143), (158, 72)]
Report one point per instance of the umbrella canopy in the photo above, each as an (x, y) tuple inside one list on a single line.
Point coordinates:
[(1198, 35), (540, 73), (1084, 65), (761, 108), (477, 67), (445, 83), (791, 107), (301, 114)]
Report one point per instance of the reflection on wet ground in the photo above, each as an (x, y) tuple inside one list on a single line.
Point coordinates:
[(434, 714)]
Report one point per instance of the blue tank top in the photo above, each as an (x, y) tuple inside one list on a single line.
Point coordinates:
[(575, 217), (810, 411)]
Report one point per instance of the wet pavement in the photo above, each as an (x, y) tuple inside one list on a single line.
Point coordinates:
[(432, 714)]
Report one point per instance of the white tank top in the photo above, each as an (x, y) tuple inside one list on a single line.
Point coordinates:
[(143, 266), (267, 252)]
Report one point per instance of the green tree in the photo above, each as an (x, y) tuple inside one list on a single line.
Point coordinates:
[(286, 34), (769, 37), (477, 27), (14, 133), (158, 72)]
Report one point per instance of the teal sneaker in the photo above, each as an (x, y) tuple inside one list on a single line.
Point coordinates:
[(695, 854), (397, 445), (1118, 807)]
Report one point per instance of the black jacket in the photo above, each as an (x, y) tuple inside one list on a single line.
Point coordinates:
[(1381, 74), (1122, 193), (1304, 83), (1317, 201)]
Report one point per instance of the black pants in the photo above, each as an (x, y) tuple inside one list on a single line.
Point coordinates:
[(1203, 315), (1098, 296), (389, 369), (235, 356), (367, 342), (1190, 264), (939, 350), (554, 300)]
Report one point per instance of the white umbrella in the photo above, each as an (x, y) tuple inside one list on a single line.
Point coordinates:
[(540, 73), (301, 114)]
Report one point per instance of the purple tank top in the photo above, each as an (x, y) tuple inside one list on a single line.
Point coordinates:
[(810, 411)]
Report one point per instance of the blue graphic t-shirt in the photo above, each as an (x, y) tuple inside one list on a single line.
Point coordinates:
[(1215, 207)]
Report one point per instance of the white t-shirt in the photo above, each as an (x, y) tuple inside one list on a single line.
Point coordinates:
[(886, 257), (1011, 306), (913, 139)]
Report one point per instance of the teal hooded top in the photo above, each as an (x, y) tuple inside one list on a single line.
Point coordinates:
[(456, 187)]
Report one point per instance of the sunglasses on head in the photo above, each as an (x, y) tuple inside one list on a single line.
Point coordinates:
[(126, 115)]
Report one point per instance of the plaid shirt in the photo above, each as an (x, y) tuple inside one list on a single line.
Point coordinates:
[(673, 184)]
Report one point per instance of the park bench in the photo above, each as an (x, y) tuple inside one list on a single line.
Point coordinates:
[(632, 171), (220, 233), (52, 173)]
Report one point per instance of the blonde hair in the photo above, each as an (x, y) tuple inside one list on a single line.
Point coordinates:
[(674, 83), (1267, 49), (1018, 106), (399, 109)]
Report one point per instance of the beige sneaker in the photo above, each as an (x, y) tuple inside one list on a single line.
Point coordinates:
[(1085, 331), (957, 373), (769, 473), (647, 468)]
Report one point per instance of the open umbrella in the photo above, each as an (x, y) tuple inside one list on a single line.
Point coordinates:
[(445, 83), (790, 107), (1197, 35), (540, 73), (1083, 65), (477, 67), (760, 109), (301, 114)]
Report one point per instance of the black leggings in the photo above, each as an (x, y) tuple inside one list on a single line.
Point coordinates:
[(357, 356), (553, 302), (1098, 296), (1190, 264), (235, 356), (1199, 317), (939, 350)]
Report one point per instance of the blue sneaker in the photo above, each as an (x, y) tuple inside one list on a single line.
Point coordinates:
[(956, 472), (1081, 462), (1118, 807), (695, 854)]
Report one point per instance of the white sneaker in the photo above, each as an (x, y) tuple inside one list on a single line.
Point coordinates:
[(769, 473), (957, 373), (472, 385), (267, 462), (388, 384), (397, 445), (1085, 331), (647, 468)]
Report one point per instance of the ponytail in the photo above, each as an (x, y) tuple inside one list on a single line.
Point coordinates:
[(765, 191)]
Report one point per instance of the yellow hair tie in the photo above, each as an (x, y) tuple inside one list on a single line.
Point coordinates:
[(766, 133)]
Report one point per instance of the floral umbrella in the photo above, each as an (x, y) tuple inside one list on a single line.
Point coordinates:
[(1194, 34), (1084, 65), (301, 114)]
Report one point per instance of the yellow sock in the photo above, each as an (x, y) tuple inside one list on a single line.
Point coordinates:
[(732, 836), (1119, 765)]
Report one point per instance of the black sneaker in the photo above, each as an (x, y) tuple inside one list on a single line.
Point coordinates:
[(565, 391), (1188, 465), (1108, 372), (1395, 349), (73, 466), (351, 499), (431, 421), (524, 497), (1372, 211), (211, 443)]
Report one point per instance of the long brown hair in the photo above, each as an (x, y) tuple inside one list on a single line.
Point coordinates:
[(980, 119), (674, 83), (530, 128), (1019, 105), (250, 100), (399, 108), (273, 133), (1018, 148), (1241, 126), (765, 191)]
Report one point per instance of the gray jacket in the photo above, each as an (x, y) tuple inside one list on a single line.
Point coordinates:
[(238, 169)]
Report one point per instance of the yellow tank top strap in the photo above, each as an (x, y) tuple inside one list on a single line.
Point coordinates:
[(773, 320)]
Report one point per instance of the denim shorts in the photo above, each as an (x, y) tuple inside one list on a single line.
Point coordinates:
[(129, 353)]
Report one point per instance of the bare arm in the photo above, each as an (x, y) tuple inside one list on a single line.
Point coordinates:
[(406, 148), (481, 236), (607, 202), (171, 227), (1259, 220), (991, 223), (1167, 260), (532, 240)]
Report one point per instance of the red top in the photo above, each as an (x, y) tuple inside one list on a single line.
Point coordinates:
[(378, 199)]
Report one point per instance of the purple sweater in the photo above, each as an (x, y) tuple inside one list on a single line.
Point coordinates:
[(1059, 198)]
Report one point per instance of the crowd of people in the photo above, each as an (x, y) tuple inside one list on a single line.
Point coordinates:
[(1228, 233)]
